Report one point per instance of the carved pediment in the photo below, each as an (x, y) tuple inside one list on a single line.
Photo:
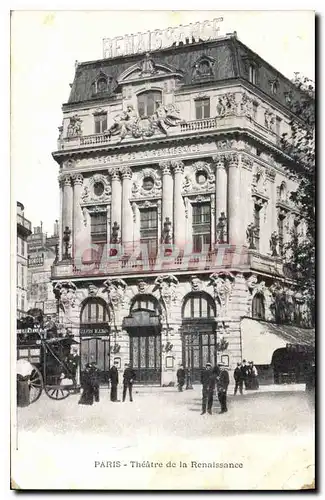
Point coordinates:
[(148, 68)]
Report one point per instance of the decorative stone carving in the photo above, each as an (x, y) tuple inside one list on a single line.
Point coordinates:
[(167, 285), (251, 233), (269, 120), (115, 236), (227, 105), (142, 190), (96, 209), (177, 166), (70, 163), (148, 66), (74, 127), (247, 162), (246, 107), (259, 184), (65, 292), (203, 68), (222, 286), (115, 288), (129, 122), (165, 167), (77, 179), (98, 190), (134, 211), (65, 179), (192, 184), (85, 215), (196, 284), (166, 237), (142, 286), (274, 239), (126, 173), (221, 236), (232, 159), (254, 286), (92, 290), (226, 144)]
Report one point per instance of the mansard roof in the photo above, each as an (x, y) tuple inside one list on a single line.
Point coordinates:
[(231, 60)]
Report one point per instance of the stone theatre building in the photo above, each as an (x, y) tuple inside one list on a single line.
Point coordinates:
[(175, 211)]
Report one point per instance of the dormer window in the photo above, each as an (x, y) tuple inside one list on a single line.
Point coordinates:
[(148, 103), (274, 87), (252, 74), (203, 67), (101, 84)]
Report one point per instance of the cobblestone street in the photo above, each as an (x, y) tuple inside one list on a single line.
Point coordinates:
[(72, 444)]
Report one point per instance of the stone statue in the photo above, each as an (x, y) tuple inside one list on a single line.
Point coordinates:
[(74, 127), (269, 120), (165, 117), (147, 65), (123, 123), (222, 229), (273, 244), (250, 235)]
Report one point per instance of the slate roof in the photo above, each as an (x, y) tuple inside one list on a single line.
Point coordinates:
[(229, 54)]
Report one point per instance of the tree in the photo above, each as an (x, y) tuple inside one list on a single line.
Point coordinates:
[(300, 146)]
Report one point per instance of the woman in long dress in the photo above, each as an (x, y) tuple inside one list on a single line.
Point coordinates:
[(87, 396), (254, 375)]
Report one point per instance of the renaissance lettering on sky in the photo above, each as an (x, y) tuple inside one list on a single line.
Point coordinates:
[(159, 39)]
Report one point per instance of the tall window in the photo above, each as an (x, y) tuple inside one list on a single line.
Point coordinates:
[(143, 301), (201, 226), (252, 74), (198, 305), (98, 228), (258, 308), (149, 230), (22, 247), (281, 220), (148, 102), (257, 224), (202, 108), (100, 123), (94, 311), (23, 303)]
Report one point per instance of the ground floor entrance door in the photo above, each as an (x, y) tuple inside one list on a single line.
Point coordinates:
[(199, 348), (96, 350), (145, 356)]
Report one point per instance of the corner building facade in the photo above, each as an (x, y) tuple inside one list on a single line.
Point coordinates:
[(175, 210)]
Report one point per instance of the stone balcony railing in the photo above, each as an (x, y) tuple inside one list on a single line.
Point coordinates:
[(224, 257), (184, 129)]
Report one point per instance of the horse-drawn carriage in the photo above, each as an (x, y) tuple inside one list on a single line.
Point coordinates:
[(53, 367)]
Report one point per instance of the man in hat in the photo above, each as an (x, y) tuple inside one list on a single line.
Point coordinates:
[(239, 380), (208, 381), (113, 375), (222, 387), (180, 378), (128, 379)]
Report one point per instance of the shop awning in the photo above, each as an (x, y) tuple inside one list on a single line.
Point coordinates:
[(260, 339)]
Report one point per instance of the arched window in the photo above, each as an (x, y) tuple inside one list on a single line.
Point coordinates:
[(148, 102), (143, 301), (258, 308), (198, 305), (94, 311)]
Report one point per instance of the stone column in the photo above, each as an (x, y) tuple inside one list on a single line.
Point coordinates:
[(116, 206), (61, 218), (167, 193), (234, 206), (67, 203), (77, 180), (221, 186), (179, 209), (127, 215)]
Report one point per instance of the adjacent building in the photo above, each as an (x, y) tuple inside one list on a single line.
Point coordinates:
[(175, 211), (24, 229), (42, 251)]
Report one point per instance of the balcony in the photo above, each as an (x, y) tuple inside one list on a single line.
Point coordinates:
[(185, 129), (223, 257), (24, 226)]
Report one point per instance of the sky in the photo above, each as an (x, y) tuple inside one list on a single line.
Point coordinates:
[(46, 44)]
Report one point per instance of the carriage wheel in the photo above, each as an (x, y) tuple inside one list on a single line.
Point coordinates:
[(35, 385), (57, 393)]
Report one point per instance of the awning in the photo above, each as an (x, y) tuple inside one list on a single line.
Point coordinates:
[(261, 338)]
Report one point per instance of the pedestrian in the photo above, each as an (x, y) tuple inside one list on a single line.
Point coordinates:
[(245, 372), (24, 371), (208, 381), (238, 376), (128, 379), (222, 387), (253, 373), (113, 376), (95, 380), (87, 396), (180, 378), (73, 361)]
